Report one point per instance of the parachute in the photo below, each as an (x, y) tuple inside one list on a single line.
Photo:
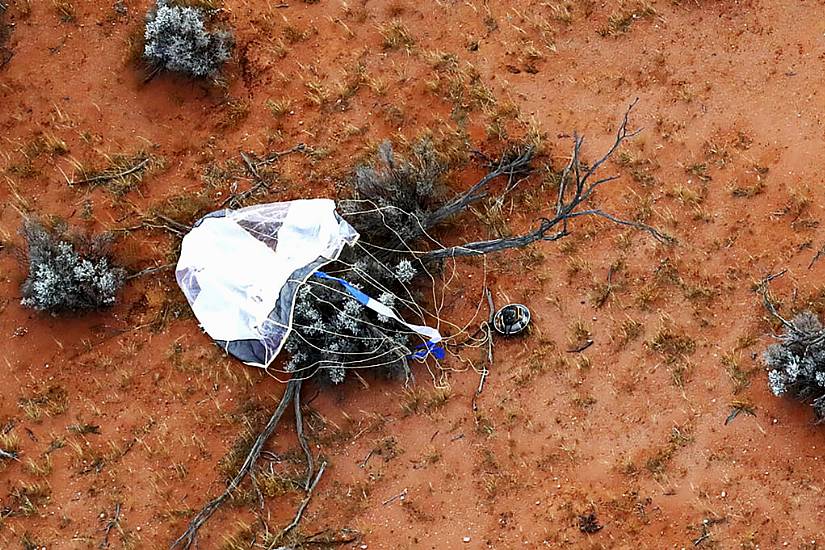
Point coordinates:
[(240, 271)]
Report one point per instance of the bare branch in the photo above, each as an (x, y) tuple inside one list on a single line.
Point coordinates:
[(621, 135), (303, 506), (506, 167), (188, 537), (252, 165), (480, 248), (150, 271), (658, 235), (109, 177), (299, 429), (574, 190), (764, 290), (111, 524)]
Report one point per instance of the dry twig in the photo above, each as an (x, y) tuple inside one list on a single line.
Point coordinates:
[(111, 524), (109, 177), (304, 503), (252, 165), (299, 429)]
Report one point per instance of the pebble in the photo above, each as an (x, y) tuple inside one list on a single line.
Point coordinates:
[(466, 539)]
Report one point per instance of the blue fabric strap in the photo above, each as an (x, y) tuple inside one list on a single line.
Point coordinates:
[(428, 348), (423, 350), (359, 296)]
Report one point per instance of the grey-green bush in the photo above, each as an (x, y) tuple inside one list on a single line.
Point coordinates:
[(68, 274), (796, 365), (331, 331), (176, 39)]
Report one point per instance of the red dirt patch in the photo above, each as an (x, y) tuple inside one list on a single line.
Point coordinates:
[(628, 430)]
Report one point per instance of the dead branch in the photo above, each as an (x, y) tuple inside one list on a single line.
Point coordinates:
[(110, 177), (111, 524), (764, 291), (157, 221), (150, 271), (392, 499), (581, 347), (805, 338), (188, 537), (819, 254), (272, 157), (508, 165), (363, 463), (252, 165), (576, 187), (303, 506), (299, 429)]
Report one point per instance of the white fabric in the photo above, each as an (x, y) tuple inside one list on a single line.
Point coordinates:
[(232, 267), (383, 309), (236, 274)]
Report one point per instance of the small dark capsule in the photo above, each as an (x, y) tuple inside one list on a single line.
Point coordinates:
[(511, 319)]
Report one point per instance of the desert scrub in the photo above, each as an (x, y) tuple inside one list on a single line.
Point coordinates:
[(68, 273), (796, 364), (176, 39), (400, 190)]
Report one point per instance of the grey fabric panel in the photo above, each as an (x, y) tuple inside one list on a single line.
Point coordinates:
[(248, 351)]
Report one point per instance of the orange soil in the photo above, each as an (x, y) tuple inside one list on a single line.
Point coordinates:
[(619, 430)]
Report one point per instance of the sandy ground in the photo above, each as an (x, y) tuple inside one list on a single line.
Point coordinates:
[(729, 162)]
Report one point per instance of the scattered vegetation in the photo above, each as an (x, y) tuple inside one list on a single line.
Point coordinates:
[(176, 40), (628, 331), (671, 344), (50, 402), (121, 172), (680, 436), (68, 273), (396, 35), (29, 498), (65, 10), (620, 22)]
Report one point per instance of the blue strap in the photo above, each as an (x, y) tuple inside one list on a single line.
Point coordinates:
[(422, 350), (428, 348), (359, 296)]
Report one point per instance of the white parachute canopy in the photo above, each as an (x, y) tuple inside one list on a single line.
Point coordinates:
[(241, 270)]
